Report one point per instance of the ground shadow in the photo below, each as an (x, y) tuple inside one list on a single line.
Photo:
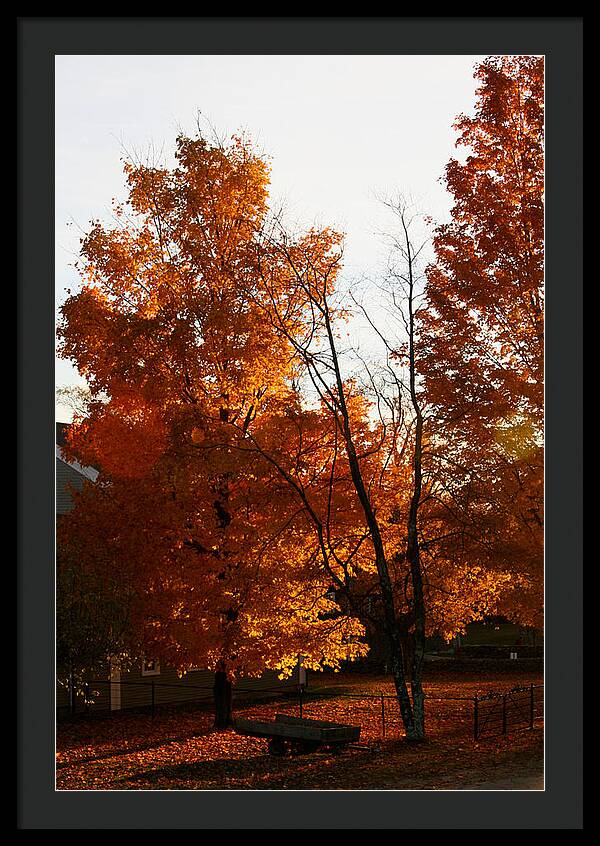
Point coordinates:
[(138, 747), (263, 768)]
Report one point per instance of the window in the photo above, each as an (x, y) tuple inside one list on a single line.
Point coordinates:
[(150, 668)]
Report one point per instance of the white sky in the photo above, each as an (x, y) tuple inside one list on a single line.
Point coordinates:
[(339, 130)]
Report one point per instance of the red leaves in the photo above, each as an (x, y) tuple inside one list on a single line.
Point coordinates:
[(188, 375), (180, 750), (481, 341), (129, 437), (489, 259)]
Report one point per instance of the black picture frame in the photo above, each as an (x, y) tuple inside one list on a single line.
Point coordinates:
[(40, 39)]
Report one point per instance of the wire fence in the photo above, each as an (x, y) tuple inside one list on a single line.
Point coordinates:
[(496, 714), (482, 717), (102, 696)]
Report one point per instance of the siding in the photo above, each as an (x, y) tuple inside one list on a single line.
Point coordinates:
[(136, 689), (66, 477)]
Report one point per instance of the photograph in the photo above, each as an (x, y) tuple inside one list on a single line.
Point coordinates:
[(299, 427)]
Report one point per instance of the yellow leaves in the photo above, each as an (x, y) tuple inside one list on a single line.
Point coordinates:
[(518, 438), (465, 593)]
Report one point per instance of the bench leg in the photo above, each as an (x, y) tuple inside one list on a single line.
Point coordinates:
[(277, 746), (338, 748), (305, 747)]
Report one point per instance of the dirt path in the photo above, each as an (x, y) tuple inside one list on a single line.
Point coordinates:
[(465, 781)]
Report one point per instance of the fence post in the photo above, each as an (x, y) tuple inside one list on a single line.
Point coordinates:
[(476, 718), (531, 707), (153, 698), (382, 715), (72, 694), (504, 714)]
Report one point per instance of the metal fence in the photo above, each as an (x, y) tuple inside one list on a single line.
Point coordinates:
[(482, 717), (496, 714), (108, 696)]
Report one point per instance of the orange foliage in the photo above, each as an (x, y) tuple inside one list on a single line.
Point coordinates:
[(225, 497), (172, 332), (482, 337)]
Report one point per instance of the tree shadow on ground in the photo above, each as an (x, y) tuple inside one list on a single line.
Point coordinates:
[(259, 770), (138, 747)]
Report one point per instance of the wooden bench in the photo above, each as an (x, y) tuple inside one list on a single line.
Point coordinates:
[(297, 735)]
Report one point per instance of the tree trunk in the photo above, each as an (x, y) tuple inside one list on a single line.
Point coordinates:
[(223, 695), (71, 690), (335, 399), (406, 706), (414, 731), (408, 650)]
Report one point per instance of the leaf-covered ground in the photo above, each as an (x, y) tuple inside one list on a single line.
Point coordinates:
[(180, 750)]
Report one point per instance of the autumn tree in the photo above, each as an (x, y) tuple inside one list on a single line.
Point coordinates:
[(381, 460), (171, 333), (367, 448), (482, 334)]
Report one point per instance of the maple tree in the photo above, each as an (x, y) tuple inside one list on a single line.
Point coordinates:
[(482, 334), (471, 491), (377, 461), (171, 333), (368, 455)]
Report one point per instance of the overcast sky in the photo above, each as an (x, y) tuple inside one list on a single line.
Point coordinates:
[(339, 130)]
